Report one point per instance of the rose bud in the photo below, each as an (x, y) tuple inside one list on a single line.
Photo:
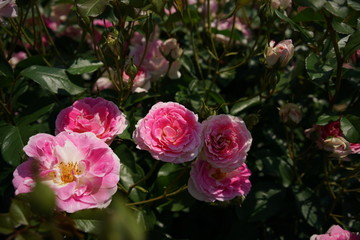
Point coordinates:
[(279, 54)]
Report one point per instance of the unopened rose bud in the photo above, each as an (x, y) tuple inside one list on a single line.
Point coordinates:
[(171, 49), (279, 54), (290, 112), (338, 146), (282, 4), (131, 70)]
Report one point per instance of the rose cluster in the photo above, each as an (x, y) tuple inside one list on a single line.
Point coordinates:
[(330, 138), (335, 232), (77, 163), (171, 133)]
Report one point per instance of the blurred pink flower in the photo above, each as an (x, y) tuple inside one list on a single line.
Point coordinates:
[(209, 184), (171, 49), (154, 62), (141, 82), (282, 4), (102, 83), (226, 25), (81, 169), (16, 58), (8, 8), (279, 54), (290, 112), (60, 12), (335, 232), (96, 115), (330, 138), (227, 141), (170, 132)]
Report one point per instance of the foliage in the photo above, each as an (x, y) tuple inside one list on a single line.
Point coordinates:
[(297, 189)]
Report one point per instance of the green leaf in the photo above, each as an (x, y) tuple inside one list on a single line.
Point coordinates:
[(314, 4), (170, 177), (6, 74), (307, 15), (337, 9), (81, 66), (146, 218), (325, 119), (11, 148), (341, 27), (352, 44), (158, 5), (317, 69), (91, 8), (309, 206), (350, 126), (307, 35), (52, 79), (263, 201), (36, 115), (354, 5), (42, 199), (89, 220), (20, 212), (7, 225), (241, 105)]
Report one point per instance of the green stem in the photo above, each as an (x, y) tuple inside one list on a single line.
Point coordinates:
[(151, 171), (163, 196)]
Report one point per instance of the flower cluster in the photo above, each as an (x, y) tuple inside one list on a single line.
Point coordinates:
[(331, 138), (77, 163), (172, 133)]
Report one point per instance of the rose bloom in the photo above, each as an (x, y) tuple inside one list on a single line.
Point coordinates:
[(101, 84), (226, 24), (282, 4), (209, 184), (8, 8), (227, 141), (279, 54), (81, 169), (171, 49), (96, 115), (170, 132), (325, 137), (16, 58), (335, 232), (290, 112)]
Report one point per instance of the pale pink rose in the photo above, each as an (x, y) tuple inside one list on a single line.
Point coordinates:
[(8, 8), (226, 24), (102, 23), (60, 12), (16, 58), (227, 141), (96, 115), (102, 83), (330, 138), (209, 184), (170, 132), (290, 112), (279, 54), (154, 62), (174, 72), (81, 169), (171, 49), (335, 232), (141, 82), (282, 4)]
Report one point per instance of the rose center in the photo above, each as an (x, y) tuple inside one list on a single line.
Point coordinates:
[(170, 133), (218, 175), (68, 171)]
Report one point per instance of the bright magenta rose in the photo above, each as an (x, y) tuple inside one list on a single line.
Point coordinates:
[(209, 184), (96, 115), (81, 169), (227, 141), (170, 132), (336, 233)]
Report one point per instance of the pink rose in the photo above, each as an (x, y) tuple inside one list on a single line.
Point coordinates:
[(170, 132), (227, 141), (96, 115), (8, 8), (16, 58), (279, 54), (209, 184), (330, 138), (171, 49), (81, 169), (226, 24), (335, 232), (102, 83)]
